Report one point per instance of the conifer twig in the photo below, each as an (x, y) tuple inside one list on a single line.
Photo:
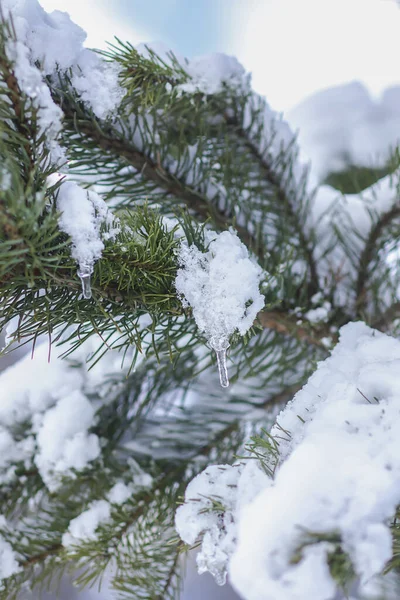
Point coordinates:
[(155, 172), (368, 254), (273, 178)]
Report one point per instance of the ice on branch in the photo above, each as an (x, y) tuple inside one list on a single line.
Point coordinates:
[(221, 285), (86, 218), (338, 476)]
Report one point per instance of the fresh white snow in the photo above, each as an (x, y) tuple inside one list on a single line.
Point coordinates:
[(211, 73), (53, 400), (339, 472), (86, 218), (221, 285), (54, 42), (62, 438), (85, 525)]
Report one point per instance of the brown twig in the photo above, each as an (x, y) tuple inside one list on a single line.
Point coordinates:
[(287, 325)]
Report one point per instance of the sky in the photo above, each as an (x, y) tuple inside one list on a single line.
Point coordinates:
[(295, 47), (292, 47)]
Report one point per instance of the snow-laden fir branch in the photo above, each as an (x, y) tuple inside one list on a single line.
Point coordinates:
[(336, 477), (260, 259)]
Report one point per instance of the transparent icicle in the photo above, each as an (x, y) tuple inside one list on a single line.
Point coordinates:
[(85, 274), (220, 345)]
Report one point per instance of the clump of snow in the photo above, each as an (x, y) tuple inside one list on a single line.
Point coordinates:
[(56, 43), (85, 525), (86, 218), (211, 501), (97, 83), (319, 314), (8, 559), (51, 398), (338, 472), (32, 385), (197, 516), (63, 440), (211, 73), (119, 493), (30, 81), (221, 285)]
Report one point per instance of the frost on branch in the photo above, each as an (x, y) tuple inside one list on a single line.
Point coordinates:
[(338, 478), (221, 286)]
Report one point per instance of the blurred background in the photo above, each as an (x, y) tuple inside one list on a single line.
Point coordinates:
[(292, 47), (332, 68)]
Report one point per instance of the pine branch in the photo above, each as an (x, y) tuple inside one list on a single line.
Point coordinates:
[(42, 556), (368, 255), (20, 122), (283, 197), (386, 319), (111, 142), (171, 576), (143, 499)]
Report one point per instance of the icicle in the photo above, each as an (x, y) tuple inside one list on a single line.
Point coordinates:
[(220, 346), (84, 275)]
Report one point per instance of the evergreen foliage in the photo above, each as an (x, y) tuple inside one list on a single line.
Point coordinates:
[(172, 163)]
